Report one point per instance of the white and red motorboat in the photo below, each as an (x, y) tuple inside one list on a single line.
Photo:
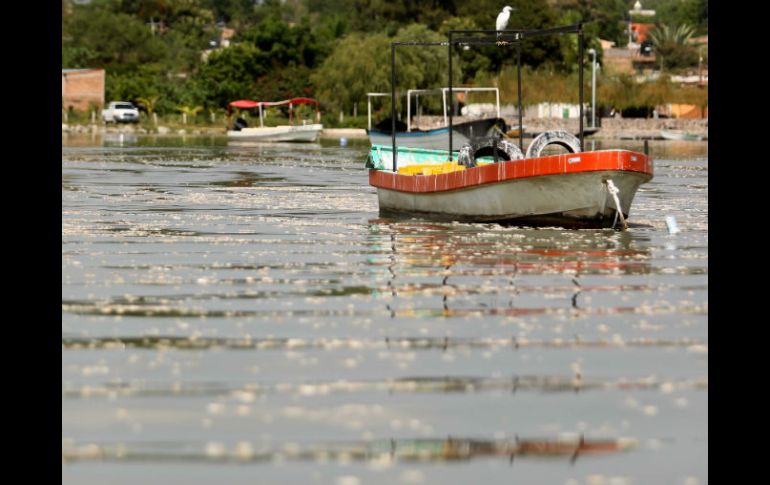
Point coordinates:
[(293, 132), (571, 190), (491, 179)]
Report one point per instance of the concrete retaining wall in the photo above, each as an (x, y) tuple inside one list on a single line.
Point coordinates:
[(610, 127)]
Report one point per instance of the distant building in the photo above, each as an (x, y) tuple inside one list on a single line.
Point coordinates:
[(82, 89), (554, 110), (223, 41), (638, 10), (606, 44), (225, 36), (687, 111), (637, 31), (640, 32)]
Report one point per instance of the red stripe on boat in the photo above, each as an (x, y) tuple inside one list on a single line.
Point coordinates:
[(623, 160)]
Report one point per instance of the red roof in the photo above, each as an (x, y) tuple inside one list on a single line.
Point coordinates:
[(245, 103)]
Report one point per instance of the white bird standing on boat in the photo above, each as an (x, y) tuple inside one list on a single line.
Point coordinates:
[(502, 21)]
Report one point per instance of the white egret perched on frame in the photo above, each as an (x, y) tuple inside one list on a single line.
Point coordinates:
[(502, 21)]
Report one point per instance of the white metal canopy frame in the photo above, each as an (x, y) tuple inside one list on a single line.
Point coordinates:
[(486, 37), (442, 91)]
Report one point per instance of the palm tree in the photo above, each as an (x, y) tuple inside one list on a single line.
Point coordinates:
[(189, 110), (149, 105), (671, 44), (664, 34)]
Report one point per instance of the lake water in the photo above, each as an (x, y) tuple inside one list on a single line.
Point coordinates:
[(242, 314)]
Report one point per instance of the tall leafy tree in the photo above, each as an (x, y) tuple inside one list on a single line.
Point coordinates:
[(231, 73), (528, 15), (285, 44), (390, 15), (671, 47), (689, 12), (103, 38), (361, 64)]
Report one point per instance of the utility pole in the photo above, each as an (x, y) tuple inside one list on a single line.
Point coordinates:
[(593, 88), (700, 67)]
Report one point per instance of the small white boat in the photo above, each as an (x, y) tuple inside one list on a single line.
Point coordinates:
[(680, 135), (298, 133), (438, 138), (306, 132)]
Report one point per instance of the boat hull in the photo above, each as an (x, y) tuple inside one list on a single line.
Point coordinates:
[(680, 136), (539, 191), (572, 199), (299, 133), (437, 139)]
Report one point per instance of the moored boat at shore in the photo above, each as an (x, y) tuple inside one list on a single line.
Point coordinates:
[(439, 138), (680, 135), (435, 138), (306, 132)]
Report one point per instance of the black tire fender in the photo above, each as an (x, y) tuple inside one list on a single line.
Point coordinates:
[(557, 137), (485, 146)]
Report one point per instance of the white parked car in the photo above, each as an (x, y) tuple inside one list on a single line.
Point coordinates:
[(120, 112)]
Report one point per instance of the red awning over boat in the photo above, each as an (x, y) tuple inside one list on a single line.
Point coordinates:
[(303, 101), (248, 104), (244, 103), (290, 101)]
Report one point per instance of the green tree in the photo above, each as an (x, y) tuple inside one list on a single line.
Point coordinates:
[(361, 63), (233, 12), (471, 61), (230, 74), (148, 103), (528, 15), (679, 12), (285, 44), (116, 41), (605, 19), (671, 48), (189, 111), (390, 15)]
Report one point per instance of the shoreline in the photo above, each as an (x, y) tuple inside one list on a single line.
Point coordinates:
[(610, 128)]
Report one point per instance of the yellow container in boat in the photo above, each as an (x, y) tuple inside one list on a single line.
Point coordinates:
[(431, 169)]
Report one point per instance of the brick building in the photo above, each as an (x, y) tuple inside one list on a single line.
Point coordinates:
[(81, 88)]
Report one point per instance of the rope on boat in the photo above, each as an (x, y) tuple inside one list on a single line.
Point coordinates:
[(618, 211), (502, 133)]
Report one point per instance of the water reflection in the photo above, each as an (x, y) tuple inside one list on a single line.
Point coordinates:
[(486, 268), (261, 146), (382, 452), (242, 304), (120, 139)]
